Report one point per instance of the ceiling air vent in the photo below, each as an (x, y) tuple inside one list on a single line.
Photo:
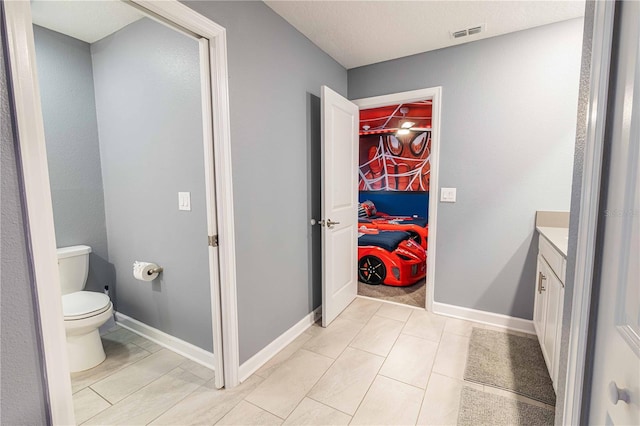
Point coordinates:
[(476, 29)]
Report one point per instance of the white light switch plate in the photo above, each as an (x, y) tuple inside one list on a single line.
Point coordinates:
[(448, 195), (184, 201)]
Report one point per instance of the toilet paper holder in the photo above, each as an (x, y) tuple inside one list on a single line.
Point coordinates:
[(155, 270)]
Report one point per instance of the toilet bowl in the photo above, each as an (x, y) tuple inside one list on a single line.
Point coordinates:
[(84, 311)]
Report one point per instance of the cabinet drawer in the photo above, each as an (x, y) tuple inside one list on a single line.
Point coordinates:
[(553, 257)]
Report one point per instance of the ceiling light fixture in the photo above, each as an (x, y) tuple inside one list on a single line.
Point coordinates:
[(408, 124), (403, 131)]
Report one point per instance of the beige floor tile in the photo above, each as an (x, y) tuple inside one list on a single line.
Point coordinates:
[(310, 412), (128, 380), (207, 405), (249, 415), (425, 325), (346, 382), (283, 355), (283, 390), (332, 340), (146, 344), (151, 401), (378, 335), (459, 327), (389, 402), (410, 360), (441, 401), (197, 369), (395, 312), (451, 358), (120, 335), (361, 309), (119, 356), (87, 404)]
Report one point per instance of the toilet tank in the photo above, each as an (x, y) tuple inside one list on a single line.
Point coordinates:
[(73, 267)]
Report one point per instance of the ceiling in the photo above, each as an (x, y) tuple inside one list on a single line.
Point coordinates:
[(389, 119), (357, 33), (88, 21)]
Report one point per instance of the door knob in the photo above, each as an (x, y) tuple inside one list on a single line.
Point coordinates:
[(330, 223), (617, 394)]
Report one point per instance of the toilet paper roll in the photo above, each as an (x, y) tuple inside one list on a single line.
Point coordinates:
[(142, 271)]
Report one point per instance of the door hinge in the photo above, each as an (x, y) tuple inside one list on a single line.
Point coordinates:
[(213, 240)]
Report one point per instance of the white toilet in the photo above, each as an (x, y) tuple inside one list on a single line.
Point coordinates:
[(84, 311)]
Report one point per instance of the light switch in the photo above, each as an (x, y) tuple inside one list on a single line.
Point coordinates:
[(184, 201), (448, 195)]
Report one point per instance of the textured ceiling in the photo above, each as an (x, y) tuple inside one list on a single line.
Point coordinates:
[(357, 33), (88, 21)]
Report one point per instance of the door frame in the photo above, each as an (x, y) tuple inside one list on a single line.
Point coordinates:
[(587, 217), (36, 193), (435, 95)]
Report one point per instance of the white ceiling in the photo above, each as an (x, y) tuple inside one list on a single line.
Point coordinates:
[(88, 21), (357, 33)]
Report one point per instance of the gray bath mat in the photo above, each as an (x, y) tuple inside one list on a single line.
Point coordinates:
[(509, 362), (482, 408)]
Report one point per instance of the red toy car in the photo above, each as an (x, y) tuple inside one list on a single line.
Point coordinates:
[(369, 217), (390, 257)]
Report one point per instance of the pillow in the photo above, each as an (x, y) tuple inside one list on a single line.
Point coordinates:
[(367, 209)]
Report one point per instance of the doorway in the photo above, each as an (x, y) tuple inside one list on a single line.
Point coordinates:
[(398, 171), (214, 197), (394, 176)]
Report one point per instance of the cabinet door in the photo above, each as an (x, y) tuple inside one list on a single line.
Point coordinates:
[(551, 323), (540, 300)]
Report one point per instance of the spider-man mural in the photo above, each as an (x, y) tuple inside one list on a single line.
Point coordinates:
[(390, 162)]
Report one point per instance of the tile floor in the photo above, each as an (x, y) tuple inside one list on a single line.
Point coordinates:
[(377, 363)]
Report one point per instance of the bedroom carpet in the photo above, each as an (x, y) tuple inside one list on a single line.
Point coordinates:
[(510, 362), (413, 295), (482, 408)]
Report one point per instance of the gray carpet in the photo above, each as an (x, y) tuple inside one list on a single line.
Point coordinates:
[(509, 362), (482, 408), (413, 295)]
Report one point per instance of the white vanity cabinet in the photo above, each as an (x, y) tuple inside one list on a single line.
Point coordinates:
[(549, 299)]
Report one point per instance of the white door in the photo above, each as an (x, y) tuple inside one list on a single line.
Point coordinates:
[(615, 388), (340, 120), (212, 220)]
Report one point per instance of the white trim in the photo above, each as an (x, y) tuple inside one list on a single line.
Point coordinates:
[(37, 198), (168, 341), (603, 22), (483, 317), (191, 20), (435, 94), (251, 365)]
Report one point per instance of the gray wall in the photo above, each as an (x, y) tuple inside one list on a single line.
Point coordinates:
[(508, 130), (22, 392), (71, 131), (275, 74), (147, 85)]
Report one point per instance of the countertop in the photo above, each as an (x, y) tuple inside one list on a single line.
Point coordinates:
[(558, 237)]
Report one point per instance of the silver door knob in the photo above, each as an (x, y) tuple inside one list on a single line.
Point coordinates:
[(330, 223), (617, 394)]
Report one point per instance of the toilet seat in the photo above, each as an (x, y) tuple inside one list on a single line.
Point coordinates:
[(84, 304)]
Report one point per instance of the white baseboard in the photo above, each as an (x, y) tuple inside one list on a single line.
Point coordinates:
[(251, 365), (496, 320), (178, 346)]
